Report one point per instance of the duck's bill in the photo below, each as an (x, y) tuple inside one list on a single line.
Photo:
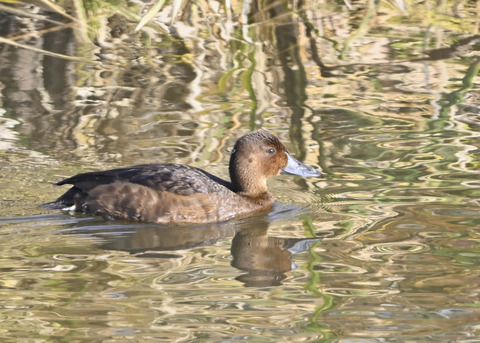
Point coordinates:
[(295, 167)]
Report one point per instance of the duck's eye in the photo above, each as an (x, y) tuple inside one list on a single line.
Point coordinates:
[(270, 151)]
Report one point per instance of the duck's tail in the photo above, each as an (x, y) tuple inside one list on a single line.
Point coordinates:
[(67, 201)]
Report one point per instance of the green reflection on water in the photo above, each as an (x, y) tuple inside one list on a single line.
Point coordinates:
[(312, 286)]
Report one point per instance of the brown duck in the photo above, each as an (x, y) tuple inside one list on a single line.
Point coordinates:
[(175, 193)]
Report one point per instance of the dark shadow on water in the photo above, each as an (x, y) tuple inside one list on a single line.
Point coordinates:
[(45, 220)]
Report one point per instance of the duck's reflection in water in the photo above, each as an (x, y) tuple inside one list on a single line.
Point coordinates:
[(265, 260)]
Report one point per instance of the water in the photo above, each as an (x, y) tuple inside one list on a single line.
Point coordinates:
[(384, 248)]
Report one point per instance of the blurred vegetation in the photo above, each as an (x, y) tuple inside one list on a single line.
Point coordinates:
[(89, 17)]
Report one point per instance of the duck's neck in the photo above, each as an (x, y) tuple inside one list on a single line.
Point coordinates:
[(249, 184)]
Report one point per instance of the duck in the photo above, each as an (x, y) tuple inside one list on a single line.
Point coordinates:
[(168, 193)]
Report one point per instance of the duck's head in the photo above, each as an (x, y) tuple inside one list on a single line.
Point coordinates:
[(258, 156)]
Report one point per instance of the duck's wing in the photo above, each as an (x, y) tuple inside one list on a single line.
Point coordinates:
[(179, 179), (174, 178)]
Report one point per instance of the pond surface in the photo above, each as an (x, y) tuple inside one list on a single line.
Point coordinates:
[(384, 99)]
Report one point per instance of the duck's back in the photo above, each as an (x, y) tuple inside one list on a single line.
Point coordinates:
[(175, 178)]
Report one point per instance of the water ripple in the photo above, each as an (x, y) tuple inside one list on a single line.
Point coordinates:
[(397, 248)]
